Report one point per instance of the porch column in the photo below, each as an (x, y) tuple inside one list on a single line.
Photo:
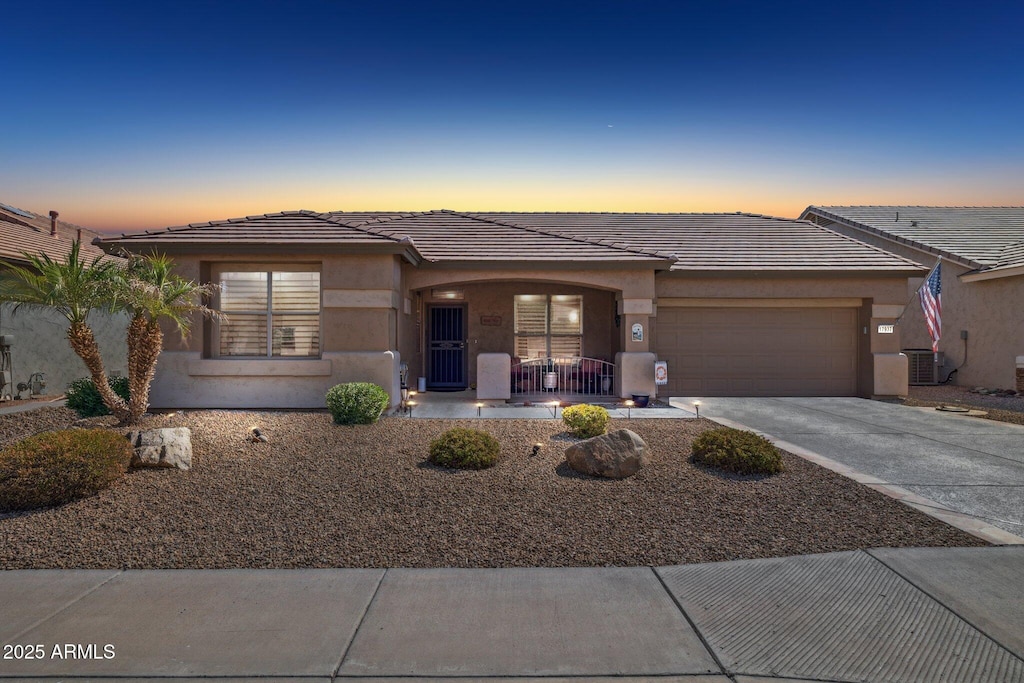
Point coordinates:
[(635, 334), (890, 371), (634, 374)]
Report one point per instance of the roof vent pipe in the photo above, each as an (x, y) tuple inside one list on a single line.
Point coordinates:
[(53, 223), (79, 237)]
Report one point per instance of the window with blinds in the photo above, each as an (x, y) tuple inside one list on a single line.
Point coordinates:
[(271, 313), (548, 325)]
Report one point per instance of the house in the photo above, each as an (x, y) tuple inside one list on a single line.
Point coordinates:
[(38, 348), (736, 304), (981, 250)]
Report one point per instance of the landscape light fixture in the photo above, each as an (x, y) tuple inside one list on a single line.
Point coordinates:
[(629, 409), (411, 405), (257, 436), (696, 405), (554, 409), (479, 408)]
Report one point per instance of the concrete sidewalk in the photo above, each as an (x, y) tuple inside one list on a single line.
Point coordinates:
[(966, 471), (898, 616)]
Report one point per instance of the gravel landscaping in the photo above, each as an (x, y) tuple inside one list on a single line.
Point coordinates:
[(1001, 408), (322, 495)]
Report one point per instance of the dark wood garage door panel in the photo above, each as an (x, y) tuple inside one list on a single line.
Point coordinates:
[(759, 351)]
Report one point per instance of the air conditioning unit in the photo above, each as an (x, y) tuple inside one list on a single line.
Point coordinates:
[(924, 366)]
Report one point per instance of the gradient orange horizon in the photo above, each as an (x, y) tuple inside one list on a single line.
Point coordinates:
[(134, 212)]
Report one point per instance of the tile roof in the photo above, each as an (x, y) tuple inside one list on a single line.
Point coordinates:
[(295, 227), (687, 241), (720, 241), (30, 233), (453, 236), (979, 236)]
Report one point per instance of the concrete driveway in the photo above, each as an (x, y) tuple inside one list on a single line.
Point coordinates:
[(965, 464)]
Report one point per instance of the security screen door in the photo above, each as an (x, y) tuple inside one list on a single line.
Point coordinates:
[(446, 348)]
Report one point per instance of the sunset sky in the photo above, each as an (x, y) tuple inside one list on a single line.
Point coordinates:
[(124, 117)]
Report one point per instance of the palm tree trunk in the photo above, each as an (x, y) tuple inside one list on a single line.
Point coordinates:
[(145, 340), (84, 344)]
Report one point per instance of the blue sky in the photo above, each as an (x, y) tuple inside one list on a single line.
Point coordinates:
[(127, 116)]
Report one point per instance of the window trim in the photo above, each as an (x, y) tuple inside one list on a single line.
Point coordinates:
[(269, 269)]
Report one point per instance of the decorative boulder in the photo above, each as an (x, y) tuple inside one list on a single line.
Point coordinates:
[(615, 455), (169, 447)]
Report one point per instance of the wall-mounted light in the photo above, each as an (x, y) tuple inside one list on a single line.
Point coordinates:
[(450, 294)]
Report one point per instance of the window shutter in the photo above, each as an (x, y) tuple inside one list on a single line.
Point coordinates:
[(296, 292), (531, 314), (566, 314), (243, 292)]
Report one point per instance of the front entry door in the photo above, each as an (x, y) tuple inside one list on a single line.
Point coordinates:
[(446, 348)]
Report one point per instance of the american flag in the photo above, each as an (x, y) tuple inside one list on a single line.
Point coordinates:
[(931, 304)]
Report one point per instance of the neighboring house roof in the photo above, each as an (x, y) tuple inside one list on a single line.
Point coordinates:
[(981, 237), (23, 231), (684, 241)]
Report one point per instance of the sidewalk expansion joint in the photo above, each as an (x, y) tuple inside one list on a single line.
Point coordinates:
[(693, 625), (870, 552), (362, 617), (42, 620)]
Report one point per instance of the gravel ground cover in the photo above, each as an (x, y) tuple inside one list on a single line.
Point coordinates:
[(1001, 408), (323, 495)]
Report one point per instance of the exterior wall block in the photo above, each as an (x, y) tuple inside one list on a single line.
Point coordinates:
[(634, 374), (493, 376)]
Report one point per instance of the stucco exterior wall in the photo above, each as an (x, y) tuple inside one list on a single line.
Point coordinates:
[(359, 330), (41, 345), (989, 310)]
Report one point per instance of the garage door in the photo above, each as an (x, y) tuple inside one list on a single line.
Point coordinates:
[(758, 351)]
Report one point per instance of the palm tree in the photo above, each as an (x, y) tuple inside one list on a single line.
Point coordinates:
[(152, 293), (73, 288)]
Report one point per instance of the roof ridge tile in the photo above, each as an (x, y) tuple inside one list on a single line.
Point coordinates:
[(552, 233)]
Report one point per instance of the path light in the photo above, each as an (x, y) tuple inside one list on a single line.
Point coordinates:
[(411, 405), (629, 409), (696, 405), (554, 409), (257, 436), (479, 408)]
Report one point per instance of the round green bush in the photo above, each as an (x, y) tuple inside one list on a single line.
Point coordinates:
[(53, 468), (733, 450), (585, 421), (357, 403), (466, 449), (83, 398)]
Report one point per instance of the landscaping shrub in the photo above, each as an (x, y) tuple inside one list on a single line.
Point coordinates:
[(57, 467), (585, 421), (85, 400), (356, 403), (467, 449), (737, 451)]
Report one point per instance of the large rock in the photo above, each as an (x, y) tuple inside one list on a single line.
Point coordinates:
[(616, 455), (170, 447)]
